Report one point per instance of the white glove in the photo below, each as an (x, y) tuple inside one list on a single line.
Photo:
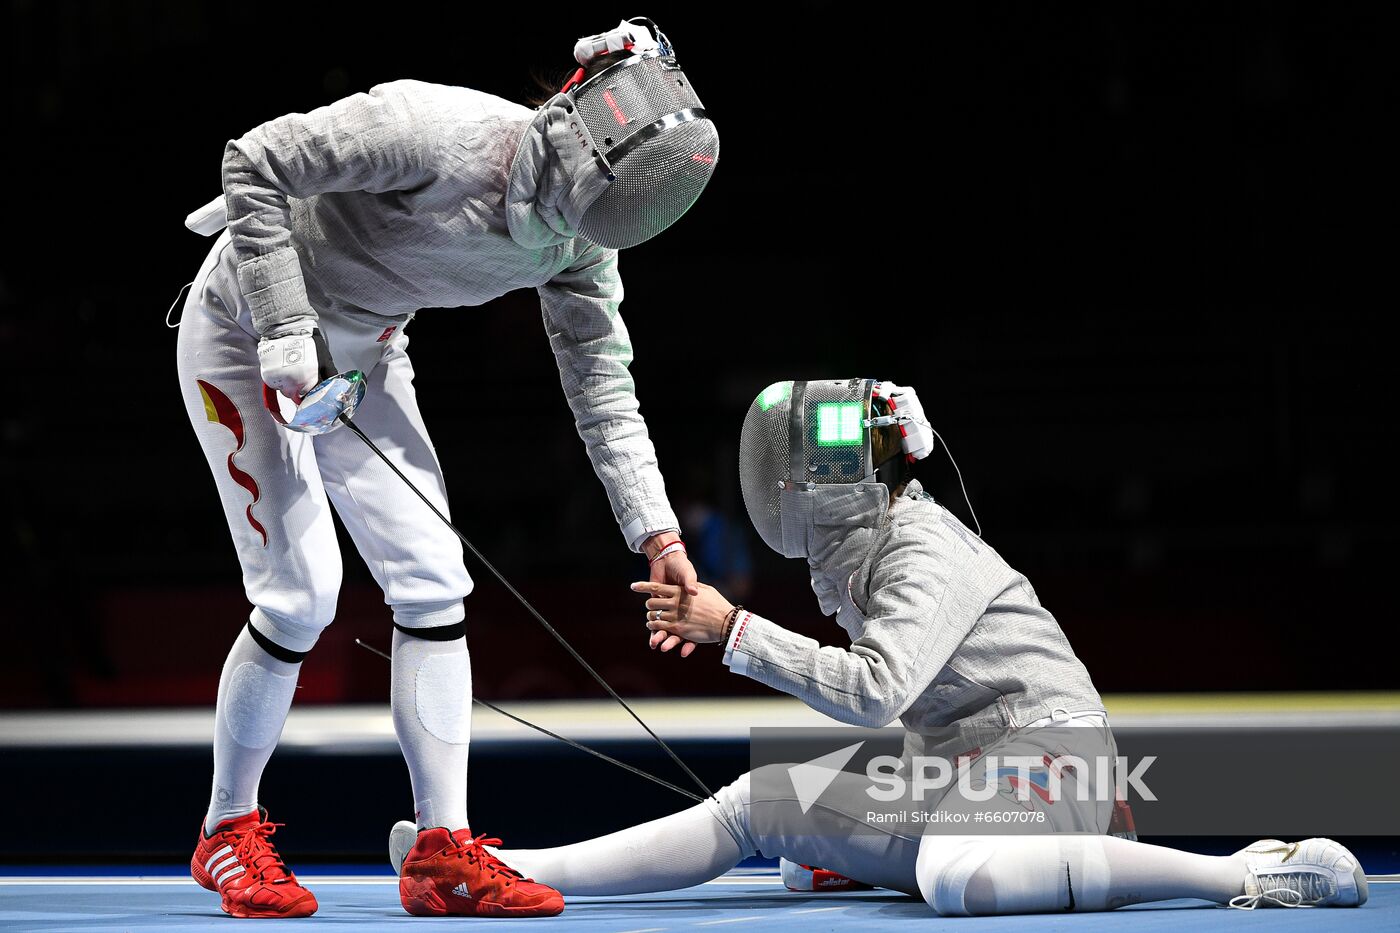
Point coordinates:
[(289, 363)]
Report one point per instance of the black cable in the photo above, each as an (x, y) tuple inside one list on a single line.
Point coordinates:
[(565, 739), (526, 603)]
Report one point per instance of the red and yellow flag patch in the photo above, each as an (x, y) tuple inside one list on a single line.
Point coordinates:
[(219, 409)]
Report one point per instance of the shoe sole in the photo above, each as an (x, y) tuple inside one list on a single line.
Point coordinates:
[(431, 904), (298, 909), (420, 908), (1363, 889), (202, 878), (1358, 875)]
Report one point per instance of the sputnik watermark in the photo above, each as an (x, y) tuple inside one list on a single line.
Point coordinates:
[(1070, 779), (877, 817), (1025, 774)]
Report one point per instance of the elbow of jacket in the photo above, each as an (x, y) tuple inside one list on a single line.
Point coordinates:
[(236, 165), (876, 712)]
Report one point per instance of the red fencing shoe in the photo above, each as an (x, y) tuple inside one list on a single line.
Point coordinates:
[(453, 874), (807, 878), (239, 862)]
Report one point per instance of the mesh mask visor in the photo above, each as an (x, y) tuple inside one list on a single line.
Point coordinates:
[(804, 462), (657, 141)]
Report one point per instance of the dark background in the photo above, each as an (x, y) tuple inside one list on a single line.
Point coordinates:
[(1136, 259)]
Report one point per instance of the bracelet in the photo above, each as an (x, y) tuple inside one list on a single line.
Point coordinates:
[(671, 548), (729, 620)]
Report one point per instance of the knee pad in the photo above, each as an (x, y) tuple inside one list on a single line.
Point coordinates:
[(960, 876), (946, 865)]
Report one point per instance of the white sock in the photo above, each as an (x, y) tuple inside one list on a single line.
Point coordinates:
[(676, 851), (1139, 873), (1037, 874), (432, 707), (255, 692)]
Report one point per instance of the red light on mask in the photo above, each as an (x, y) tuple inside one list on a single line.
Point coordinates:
[(617, 113)]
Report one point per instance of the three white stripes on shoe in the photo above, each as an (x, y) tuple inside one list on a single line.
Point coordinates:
[(220, 868)]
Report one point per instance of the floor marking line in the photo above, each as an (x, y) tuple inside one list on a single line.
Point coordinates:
[(710, 923), (644, 930), (817, 910)]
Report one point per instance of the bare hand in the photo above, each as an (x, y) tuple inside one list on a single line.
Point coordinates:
[(698, 619), (675, 569)]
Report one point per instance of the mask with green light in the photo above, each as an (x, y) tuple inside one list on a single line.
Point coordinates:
[(818, 454)]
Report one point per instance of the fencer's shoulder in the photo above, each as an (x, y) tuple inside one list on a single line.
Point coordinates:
[(450, 103), (919, 526), (905, 534), (914, 510)]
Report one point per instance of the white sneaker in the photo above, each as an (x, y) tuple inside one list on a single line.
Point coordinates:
[(401, 840), (1311, 873)]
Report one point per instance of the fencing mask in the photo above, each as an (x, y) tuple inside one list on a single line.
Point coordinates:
[(825, 454), (629, 149)]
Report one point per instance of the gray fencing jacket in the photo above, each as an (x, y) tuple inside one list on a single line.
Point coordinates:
[(419, 196), (945, 637)]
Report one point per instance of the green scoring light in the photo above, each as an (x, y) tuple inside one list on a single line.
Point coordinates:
[(838, 423), (775, 394)]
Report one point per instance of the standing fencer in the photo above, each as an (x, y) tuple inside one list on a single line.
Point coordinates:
[(949, 640), (341, 223)]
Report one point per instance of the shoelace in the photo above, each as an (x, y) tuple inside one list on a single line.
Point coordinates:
[(1311, 887), (254, 851), (475, 850)]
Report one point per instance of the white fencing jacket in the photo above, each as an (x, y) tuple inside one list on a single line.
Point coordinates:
[(945, 637), (420, 196)]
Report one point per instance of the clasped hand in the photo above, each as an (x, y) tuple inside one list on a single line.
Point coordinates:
[(673, 615)]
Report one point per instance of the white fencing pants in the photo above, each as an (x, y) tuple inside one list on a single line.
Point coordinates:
[(277, 487)]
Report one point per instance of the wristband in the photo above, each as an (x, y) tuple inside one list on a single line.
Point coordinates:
[(730, 618), (671, 548)]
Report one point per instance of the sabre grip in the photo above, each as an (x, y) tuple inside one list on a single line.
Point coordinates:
[(325, 367), (325, 371)]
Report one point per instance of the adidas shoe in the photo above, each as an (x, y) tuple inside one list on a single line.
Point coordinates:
[(453, 874), (239, 862)]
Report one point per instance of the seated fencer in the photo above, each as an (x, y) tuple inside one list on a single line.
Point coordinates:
[(950, 641)]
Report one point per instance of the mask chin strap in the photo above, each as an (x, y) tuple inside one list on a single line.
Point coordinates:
[(573, 82)]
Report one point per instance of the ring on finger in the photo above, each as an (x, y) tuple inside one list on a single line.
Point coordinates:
[(656, 615)]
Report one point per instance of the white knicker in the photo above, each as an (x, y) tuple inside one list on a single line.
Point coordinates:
[(277, 487), (763, 813)]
